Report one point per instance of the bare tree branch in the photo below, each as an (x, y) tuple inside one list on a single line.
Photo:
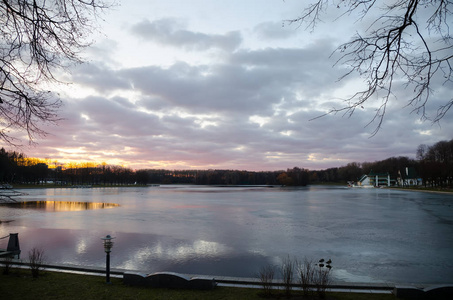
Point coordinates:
[(400, 45), (38, 37)]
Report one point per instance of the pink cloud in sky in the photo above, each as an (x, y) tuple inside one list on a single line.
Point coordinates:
[(160, 94)]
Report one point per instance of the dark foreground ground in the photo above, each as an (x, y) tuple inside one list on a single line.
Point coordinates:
[(19, 284)]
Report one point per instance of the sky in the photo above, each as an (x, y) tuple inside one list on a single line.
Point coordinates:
[(224, 85)]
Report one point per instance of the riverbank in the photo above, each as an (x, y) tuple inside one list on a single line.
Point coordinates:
[(59, 186), (424, 189), (55, 186), (19, 284)]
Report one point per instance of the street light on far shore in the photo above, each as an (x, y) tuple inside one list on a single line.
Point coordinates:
[(108, 244)]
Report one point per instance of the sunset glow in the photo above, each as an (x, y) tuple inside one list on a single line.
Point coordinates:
[(223, 85)]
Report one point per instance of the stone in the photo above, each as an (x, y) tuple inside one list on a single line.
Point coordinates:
[(438, 292), (169, 280)]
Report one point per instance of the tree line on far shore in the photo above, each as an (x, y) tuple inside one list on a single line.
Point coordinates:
[(433, 164)]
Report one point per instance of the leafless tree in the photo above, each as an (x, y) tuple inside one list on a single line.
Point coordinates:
[(407, 40), (287, 269), (306, 275), (36, 261), (266, 276), (7, 262), (38, 37)]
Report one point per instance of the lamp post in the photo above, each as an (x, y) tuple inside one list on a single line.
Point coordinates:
[(108, 244)]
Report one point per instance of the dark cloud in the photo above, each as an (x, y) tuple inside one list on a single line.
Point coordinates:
[(170, 32), (99, 77), (225, 88), (252, 82)]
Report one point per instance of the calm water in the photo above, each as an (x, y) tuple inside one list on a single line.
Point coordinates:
[(371, 235)]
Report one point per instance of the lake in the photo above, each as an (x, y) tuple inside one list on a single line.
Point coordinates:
[(371, 235)]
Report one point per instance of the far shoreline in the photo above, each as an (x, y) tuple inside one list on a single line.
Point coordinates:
[(426, 190), (56, 186), (81, 186)]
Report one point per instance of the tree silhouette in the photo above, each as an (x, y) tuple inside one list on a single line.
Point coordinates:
[(407, 40), (38, 37)]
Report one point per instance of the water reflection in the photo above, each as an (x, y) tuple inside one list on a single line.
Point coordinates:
[(61, 205), (370, 234), (81, 246), (176, 252)]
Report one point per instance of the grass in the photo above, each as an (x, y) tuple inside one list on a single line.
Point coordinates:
[(19, 284)]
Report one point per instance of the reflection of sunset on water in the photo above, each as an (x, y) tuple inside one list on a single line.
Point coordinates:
[(62, 205), (226, 231)]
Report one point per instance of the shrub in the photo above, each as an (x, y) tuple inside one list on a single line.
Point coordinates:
[(266, 275), (306, 275), (36, 261), (321, 277), (312, 277), (6, 261), (287, 270)]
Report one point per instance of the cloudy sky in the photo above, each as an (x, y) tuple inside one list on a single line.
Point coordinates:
[(204, 84)]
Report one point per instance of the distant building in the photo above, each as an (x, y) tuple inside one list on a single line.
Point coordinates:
[(375, 180), (409, 177)]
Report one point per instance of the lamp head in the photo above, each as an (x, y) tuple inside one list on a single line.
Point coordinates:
[(108, 243)]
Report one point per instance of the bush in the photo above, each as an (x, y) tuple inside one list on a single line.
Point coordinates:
[(321, 277), (36, 261), (306, 275), (6, 261), (287, 270), (312, 277), (266, 275)]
